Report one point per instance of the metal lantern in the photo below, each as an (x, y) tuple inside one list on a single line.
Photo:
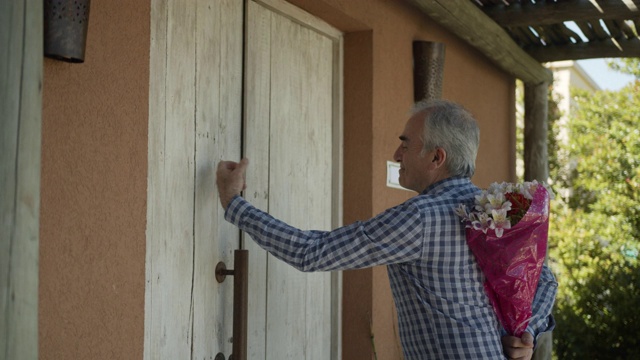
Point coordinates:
[(428, 70), (65, 29)]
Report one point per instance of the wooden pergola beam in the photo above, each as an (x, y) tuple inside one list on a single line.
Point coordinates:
[(467, 21), (590, 50), (549, 12)]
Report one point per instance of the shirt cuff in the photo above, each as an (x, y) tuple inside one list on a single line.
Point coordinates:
[(551, 325), (237, 206)]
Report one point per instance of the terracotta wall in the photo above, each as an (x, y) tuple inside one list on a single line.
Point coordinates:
[(94, 167), (93, 191)]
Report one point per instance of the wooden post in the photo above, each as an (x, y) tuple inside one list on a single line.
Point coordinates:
[(428, 70), (536, 163), (536, 158), (20, 129)]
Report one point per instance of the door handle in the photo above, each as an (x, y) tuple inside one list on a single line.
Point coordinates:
[(240, 300)]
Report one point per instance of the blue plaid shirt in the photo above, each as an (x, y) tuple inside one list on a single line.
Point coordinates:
[(443, 311)]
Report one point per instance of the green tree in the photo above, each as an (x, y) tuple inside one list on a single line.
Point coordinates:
[(595, 226), (629, 66)]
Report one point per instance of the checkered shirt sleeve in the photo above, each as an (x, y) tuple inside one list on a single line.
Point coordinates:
[(541, 319), (393, 236)]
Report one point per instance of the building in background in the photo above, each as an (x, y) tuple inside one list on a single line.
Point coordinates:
[(567, 75)]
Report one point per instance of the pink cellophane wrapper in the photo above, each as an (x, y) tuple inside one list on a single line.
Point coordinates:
[(512, 263)]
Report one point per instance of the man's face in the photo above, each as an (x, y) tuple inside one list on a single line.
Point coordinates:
[(414, 169)]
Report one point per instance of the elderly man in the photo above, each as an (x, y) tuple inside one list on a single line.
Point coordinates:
[(443, 311)]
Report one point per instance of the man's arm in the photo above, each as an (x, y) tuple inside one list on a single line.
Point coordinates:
[(541, 320), (394, 236)]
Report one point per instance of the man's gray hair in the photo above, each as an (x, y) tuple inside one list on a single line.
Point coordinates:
[(450, 126)]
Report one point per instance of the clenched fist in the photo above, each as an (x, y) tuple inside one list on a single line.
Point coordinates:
[(231, 180)]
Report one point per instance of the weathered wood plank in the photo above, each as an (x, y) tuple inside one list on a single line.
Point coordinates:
[(549, 12), (336, 191), (587, 30), (613, 28), (218, 97), (300, 16), (601, 33), (286, 288), (466, 21), (156, 167), (626, 29), (302, 178), (318, 187), (590, 50), (170, 234), (256, 148), (20, 138)]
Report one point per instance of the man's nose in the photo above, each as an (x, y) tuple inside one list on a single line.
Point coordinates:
[(397, 156)]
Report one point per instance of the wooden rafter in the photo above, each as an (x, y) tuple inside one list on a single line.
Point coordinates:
[(590, 50), (548, 12), (609, 27), (518, 34), (466, 20)]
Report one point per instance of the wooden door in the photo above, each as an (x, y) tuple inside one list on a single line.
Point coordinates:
[(292, 138)]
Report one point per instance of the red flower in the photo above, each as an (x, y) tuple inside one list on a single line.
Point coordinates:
[(519, 206)]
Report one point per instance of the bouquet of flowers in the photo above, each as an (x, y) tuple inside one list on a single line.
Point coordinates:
[(507, 232)]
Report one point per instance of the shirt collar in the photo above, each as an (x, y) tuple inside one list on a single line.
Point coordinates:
[(445, 184)]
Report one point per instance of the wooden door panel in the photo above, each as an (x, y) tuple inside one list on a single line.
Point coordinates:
[(300, 180), (290, 105)]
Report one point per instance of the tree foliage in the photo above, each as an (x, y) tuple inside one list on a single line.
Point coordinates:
[(630, 66), (595, 226)]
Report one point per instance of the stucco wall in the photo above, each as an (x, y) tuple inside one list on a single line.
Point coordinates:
[(94, 167), (94, 181)]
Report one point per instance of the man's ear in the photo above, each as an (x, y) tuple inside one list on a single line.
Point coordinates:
[(439, 157)]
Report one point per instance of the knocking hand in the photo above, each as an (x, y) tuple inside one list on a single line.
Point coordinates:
[(230, 178)]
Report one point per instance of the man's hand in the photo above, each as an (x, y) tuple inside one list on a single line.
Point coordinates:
[(518, 348), (230, 179)]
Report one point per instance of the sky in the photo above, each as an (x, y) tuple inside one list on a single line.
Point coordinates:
[(606, 78)]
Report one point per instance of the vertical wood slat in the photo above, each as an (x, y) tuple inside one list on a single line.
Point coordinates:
[(336, 191), (320, 171), (168, 310), (256, 148), (218, 124), (155, 182), (286, 289), (206, 295), (20, 144)]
